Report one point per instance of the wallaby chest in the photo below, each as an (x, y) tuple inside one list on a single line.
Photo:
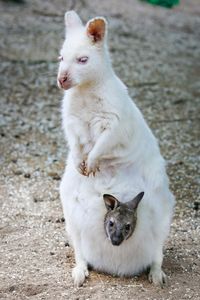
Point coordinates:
[(91, 112)]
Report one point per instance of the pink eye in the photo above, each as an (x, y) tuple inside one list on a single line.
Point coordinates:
[(60, 58), (82, 60)]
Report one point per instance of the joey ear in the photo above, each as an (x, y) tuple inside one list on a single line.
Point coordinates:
[(110, 202), (72, 20), (133, 204), (96, 29)]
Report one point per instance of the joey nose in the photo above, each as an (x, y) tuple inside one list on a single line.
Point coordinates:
[(116, 240)]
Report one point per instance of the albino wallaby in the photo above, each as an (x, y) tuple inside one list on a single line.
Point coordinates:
[(120, 219), (109, 138)]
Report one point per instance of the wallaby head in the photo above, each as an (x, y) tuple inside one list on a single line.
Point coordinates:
[(83, 55), (120, 219)]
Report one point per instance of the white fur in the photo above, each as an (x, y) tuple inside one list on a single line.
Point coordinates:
[(105, 129)]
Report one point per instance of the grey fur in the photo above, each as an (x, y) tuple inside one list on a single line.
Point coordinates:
[(120, 219)]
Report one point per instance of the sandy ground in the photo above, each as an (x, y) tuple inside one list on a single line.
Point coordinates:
[(157, 54)]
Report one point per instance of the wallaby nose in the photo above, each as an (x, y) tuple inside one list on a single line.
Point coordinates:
[(63, 79)]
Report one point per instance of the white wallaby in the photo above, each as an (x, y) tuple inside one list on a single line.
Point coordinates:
[(111, 151)]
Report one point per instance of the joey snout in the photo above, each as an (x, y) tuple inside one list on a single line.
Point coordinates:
[(116, 239)]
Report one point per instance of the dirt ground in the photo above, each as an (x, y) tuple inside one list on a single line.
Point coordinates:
[(157, 54)]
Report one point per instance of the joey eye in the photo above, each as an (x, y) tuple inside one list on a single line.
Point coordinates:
[(60, 58), (127, 227), (111, 223), (82, 60)]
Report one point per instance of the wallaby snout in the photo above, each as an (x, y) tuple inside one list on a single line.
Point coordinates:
[(64, 81)]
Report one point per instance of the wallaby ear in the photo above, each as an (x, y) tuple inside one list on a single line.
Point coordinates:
[(110, 202), (133, 204), (96, 29), (72, 20)]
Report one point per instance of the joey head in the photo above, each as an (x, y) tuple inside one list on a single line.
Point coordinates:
[(120, 219)]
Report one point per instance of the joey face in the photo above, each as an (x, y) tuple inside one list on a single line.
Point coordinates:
[(119, 225), (120, 219), (82, 54)]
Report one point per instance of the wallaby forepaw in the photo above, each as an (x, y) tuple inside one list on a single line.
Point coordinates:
[(157, 277), (79, 274), (82, 169), (92, 168), (93, 171)]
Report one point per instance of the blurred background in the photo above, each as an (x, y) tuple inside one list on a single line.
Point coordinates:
[(156, 52)]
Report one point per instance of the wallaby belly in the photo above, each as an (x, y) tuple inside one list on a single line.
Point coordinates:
[(85, 210)]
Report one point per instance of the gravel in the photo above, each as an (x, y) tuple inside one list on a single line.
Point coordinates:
[(156, 52)]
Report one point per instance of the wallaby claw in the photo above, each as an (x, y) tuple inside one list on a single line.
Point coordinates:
[(87, 172), (82, 168), (93, 171)]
